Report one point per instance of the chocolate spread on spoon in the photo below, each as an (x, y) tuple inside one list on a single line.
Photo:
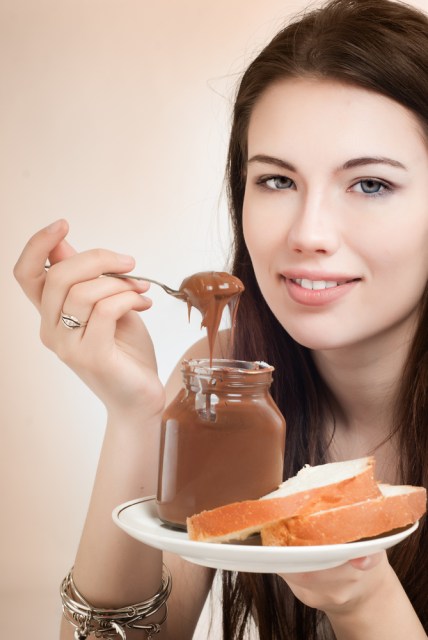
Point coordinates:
[(210, 292)]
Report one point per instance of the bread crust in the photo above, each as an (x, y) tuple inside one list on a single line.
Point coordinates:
[(239, 520), (351, 522)]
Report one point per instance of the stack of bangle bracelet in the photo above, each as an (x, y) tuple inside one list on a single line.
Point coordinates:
[(112, 623)]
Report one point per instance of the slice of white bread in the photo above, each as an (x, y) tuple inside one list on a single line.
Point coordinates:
[(397, 507), (313, 488)]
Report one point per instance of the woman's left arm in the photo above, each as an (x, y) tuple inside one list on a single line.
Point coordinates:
[(363, 599)]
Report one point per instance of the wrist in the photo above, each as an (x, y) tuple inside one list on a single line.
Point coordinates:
[(132, 419), (382, 611), (369, 597), (132, 425)]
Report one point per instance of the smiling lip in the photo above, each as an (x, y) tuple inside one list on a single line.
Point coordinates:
[(318, 290)]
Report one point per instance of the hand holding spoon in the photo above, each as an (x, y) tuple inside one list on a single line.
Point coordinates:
[(207, 291)]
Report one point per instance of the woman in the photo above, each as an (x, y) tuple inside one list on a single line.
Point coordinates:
[(327, 176)]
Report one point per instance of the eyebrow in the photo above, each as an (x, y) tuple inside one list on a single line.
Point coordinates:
[(358, 162), (349, 164), (271, 160)]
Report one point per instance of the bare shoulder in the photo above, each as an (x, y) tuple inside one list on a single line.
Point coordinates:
[(199, 349)]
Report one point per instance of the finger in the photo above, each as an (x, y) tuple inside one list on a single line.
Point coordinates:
[(105, 315), (81, 267), (324, 576), (367, 562), (29, 269), (82, 298), (62, 251)]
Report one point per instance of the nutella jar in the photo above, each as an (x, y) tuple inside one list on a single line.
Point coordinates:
[(222, 439)]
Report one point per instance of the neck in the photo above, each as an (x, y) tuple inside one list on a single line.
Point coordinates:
[(364, 380)]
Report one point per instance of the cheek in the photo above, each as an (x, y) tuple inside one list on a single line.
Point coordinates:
[(249, 227), (404, 252), (391, 243), (398, 268), (261, 234)]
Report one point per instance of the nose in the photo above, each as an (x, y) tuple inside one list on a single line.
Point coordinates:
[(314, 229)]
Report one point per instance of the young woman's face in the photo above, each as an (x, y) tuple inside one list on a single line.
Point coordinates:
[(336, 211)]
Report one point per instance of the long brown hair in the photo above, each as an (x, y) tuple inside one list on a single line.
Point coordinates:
[(379, 45)]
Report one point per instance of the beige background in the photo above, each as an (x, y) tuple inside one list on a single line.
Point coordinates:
[(113, 114)]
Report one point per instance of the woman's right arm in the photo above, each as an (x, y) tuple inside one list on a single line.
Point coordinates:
[(114, 356)]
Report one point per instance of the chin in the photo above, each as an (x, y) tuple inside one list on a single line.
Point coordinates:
[(316, 338), (316, 344)]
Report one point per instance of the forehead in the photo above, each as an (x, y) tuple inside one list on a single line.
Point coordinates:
[(296, 114)]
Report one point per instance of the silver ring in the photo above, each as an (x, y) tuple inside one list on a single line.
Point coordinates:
[(71, 322)]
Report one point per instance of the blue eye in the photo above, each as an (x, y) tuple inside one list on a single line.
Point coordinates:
[(371, 187), (276, 183)]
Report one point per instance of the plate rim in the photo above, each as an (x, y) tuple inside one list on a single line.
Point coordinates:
[(258, 551)]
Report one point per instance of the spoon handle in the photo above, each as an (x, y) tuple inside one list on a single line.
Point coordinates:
[(126, 276)]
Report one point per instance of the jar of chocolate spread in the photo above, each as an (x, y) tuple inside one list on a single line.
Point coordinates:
[(222, 439)]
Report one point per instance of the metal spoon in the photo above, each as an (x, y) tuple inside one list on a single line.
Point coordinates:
[(171, 292), (125, 276)]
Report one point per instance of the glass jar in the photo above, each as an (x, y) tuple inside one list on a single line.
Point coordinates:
[(222, 439)]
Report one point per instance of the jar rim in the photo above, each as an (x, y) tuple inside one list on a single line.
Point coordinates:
[(203, 366)]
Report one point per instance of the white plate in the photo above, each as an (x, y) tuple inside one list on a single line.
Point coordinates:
[(139, 519)]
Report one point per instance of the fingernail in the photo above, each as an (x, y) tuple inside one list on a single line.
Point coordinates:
[(142, 285), (54, 227), (124, 259)]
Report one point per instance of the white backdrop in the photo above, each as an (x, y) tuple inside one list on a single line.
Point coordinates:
[(115, 115)]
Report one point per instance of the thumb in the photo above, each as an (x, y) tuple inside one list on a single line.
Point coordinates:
[(367, 562), (30, 267), (62, 250)]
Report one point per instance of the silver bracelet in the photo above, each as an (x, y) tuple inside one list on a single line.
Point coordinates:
[(111, 623)]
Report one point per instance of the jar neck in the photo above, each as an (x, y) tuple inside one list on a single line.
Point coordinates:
[(226, 376)]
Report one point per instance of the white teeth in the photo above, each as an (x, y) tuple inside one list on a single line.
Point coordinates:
[(315, 284), (319, 284), (306, 284)]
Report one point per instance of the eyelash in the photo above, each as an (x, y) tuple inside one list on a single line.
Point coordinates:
[(385, 187), (265, 179)]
